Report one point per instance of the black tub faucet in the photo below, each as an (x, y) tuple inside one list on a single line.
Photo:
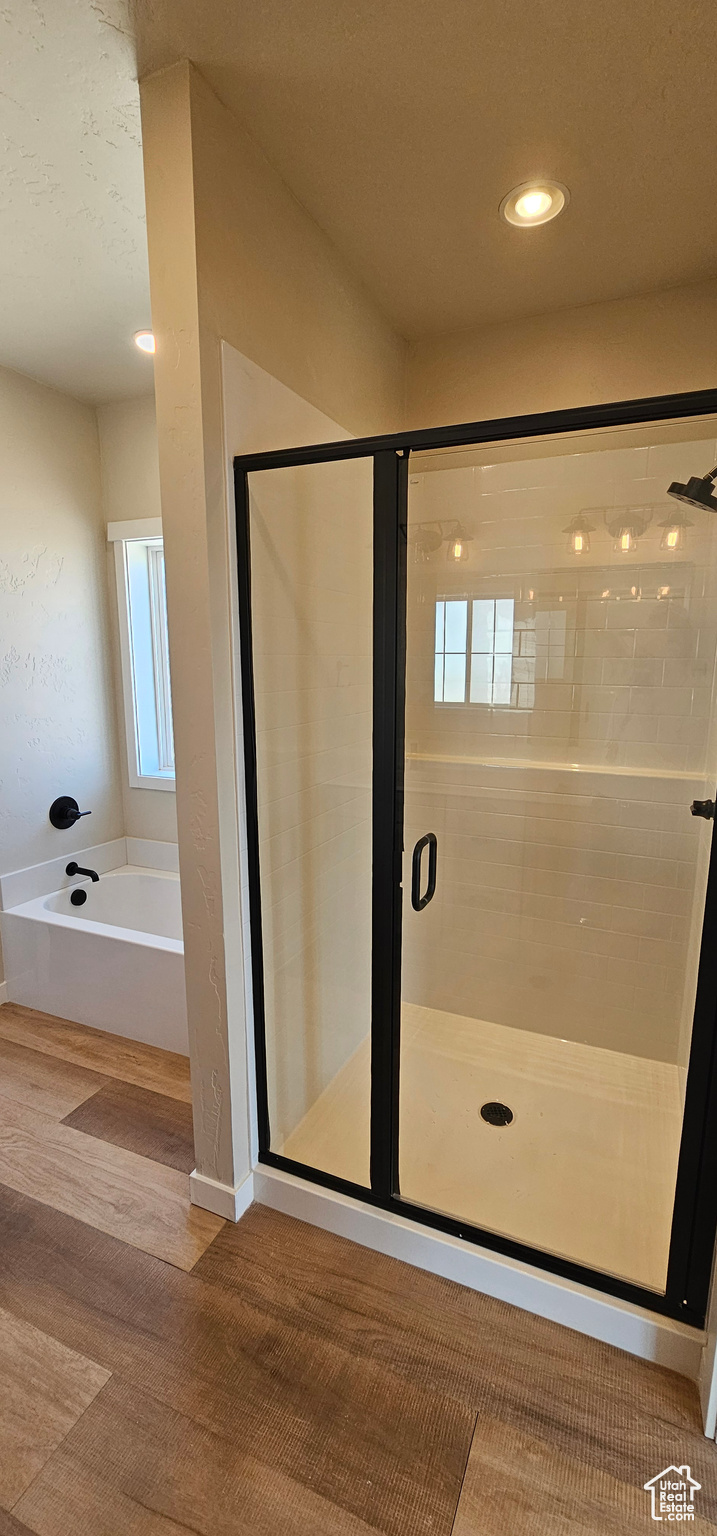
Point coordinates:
[(75, 869)]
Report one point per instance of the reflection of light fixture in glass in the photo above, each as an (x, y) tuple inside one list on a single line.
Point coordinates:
[(627, 527), (145, 341), (458, 542), (426, 539), (673, 538), (663, 591), (579, 531)]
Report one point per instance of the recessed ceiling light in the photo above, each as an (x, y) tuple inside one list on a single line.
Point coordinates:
[(534, 202), (145, 341)]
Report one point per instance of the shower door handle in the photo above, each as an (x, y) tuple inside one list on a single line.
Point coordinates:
[(430, 841)]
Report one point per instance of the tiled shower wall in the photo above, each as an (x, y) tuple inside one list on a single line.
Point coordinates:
[(563, 905), (312, 580), (570, 884)]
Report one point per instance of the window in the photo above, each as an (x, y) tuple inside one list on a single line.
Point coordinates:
[(142, 603), (485, 655)]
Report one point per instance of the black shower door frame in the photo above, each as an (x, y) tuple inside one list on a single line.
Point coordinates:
[(694, 1222)]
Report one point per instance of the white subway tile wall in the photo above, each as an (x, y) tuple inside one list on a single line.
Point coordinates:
[(565, 912), (571, 874), (312, 579)]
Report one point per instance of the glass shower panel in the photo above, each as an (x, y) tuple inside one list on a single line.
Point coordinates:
[(557, 730), (311, 533)]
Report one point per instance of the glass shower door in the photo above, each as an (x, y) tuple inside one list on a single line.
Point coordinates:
[(561, 635), (306, 561)]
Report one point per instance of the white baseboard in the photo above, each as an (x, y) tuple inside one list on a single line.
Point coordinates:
[(629, 1327), (3, 992), (221, 1198)]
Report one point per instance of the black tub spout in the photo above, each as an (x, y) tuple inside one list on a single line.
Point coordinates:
[(75, 869)]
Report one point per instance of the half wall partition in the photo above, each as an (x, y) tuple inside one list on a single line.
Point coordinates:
[(478, 670)]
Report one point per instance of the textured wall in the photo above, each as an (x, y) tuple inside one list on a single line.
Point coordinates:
[(233, 256), (130, 488), (658, 344), (57, 706)]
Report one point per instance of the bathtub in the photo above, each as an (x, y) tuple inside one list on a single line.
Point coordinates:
[(117, 962)]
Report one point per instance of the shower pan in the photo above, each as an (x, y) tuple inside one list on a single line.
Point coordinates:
[(482, 910)]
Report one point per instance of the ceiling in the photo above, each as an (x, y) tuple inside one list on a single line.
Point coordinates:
[(399, 124), (74, 285)]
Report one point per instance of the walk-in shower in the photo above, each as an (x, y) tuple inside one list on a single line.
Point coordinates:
[(479, 700)]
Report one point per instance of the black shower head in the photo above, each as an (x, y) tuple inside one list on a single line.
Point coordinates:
[(697, 492)]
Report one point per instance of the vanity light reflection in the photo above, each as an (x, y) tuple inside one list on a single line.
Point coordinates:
[(579, 531), (674, 536)]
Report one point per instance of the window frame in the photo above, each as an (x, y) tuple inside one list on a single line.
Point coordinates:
[(148, 533)]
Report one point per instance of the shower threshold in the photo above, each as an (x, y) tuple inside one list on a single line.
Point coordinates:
[(586, 1168)]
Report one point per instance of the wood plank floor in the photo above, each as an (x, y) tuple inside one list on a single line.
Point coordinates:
[(128, 1060), (41, 1083), (270, 1378), (149, 1123), (44, 1389), (140, 1201)]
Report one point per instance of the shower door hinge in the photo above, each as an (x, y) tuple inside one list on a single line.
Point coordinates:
[(704, 808)]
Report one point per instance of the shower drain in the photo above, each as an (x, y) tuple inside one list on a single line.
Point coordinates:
[(496, 1114)]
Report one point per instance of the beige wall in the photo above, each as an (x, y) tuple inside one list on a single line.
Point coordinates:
[(272, 284), (232, 256), (130, 489), (660, 344), (57, 705)]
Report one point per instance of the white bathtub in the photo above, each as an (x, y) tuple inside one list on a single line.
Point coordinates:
[(117, 962)]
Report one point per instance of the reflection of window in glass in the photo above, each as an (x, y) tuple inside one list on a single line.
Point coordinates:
[(485, 655), (491, 650), (524, 643), (550, 645), (450, 650)]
